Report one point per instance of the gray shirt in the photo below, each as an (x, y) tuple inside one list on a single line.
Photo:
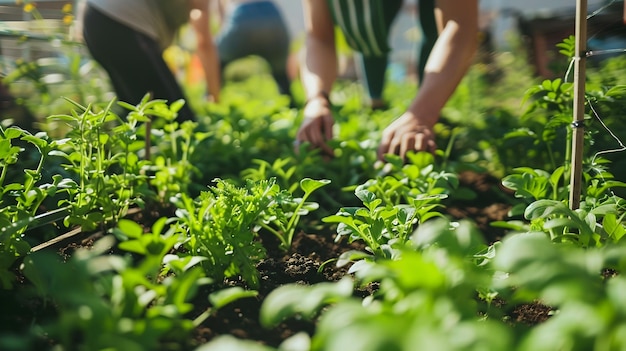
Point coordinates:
[(141, 15)]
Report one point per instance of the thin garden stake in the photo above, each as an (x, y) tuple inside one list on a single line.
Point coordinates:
[(579, 103), (149, 136)]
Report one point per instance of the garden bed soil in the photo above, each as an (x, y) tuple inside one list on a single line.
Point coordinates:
[(301, 265), (309, 251)]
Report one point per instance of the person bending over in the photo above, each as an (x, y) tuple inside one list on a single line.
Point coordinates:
[(450, 30), (127, 38), (255, 27)]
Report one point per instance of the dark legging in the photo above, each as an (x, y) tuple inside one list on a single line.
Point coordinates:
[(133, 61), (366, 26), (257, 28)]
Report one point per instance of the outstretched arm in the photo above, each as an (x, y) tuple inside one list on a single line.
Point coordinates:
[(448, 62), (200, 20), (318, 74)]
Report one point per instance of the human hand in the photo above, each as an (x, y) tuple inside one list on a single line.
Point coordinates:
[(317, 126), (406, 134)]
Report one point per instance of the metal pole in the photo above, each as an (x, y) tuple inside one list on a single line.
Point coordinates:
[(579, 104)]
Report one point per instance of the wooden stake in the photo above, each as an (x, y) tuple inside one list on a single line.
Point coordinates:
[(148, 141), (149, 130), (578, 131)]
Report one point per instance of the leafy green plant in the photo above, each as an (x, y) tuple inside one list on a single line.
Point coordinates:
[(104, 301), (545, 207), (228, 245), (394, 205), (404, 182), (103, 193), (425, 294), (21, 198), (584, 226), (290, 173), (222, 223), (243, 129), (589, 313), (170, 145), (142, 297), (535, 184), (282, 220), (282, 169), (160, 264), (379, 226)]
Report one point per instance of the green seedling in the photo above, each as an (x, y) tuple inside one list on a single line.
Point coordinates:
[(283, 221), (21, 197), (102, 194), (104, 301), (221, 224)]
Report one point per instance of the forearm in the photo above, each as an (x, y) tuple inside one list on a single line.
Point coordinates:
[(319, 70), (205, 47), (209, 58), (448, 62)]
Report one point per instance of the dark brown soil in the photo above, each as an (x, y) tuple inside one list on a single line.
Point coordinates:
[(301, 265), (309, 251)]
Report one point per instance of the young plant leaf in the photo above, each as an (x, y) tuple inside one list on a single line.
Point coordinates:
[(306, 301), (309, 185), (226, 296)]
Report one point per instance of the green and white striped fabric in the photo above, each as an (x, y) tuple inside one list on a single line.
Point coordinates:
[(365, 23)]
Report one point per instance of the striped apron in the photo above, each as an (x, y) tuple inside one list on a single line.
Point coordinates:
[(366, 25)]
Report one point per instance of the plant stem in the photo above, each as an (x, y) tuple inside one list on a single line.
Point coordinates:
[(202, 317), (284, 243)]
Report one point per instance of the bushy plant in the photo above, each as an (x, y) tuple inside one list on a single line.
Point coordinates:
[(426, 293), (107, 168), (222, 224), (23, 191), (106, 301)]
